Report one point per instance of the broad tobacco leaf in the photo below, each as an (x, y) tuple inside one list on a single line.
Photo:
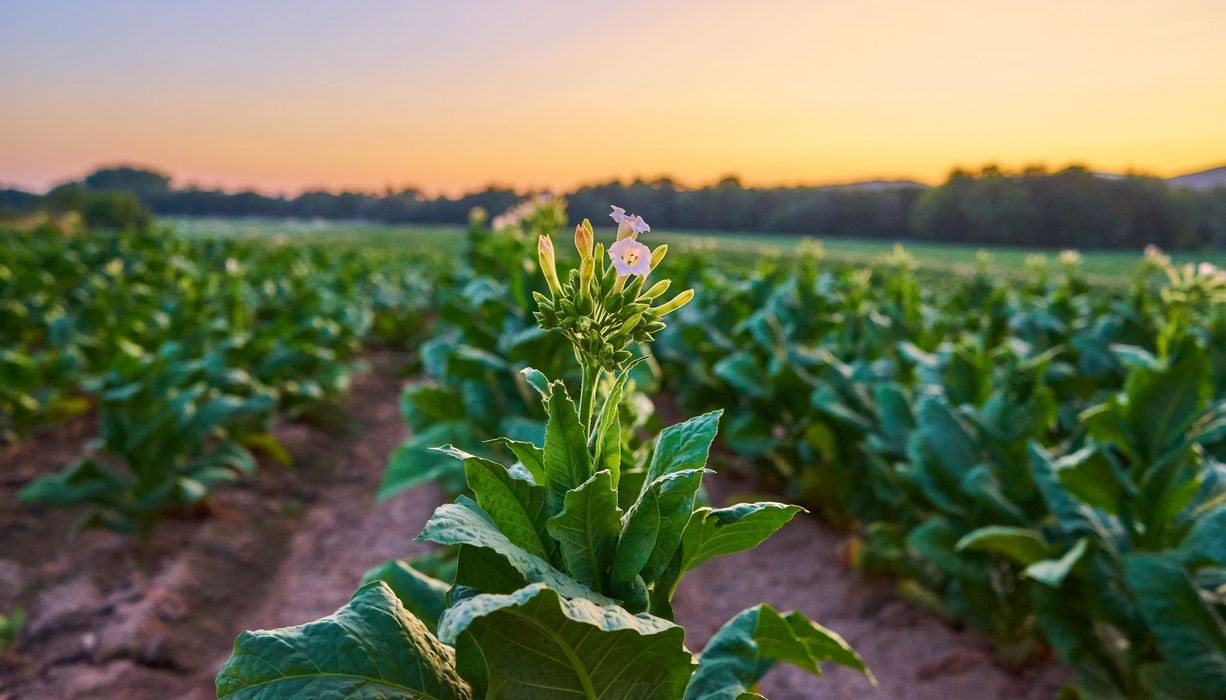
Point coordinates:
[(517, 506), (744, 649), (464, 523), (371, 648), (684, 445), (587, 529), (1190, 635), (567, 460), (652, 528), (541, 646), (422, 596)]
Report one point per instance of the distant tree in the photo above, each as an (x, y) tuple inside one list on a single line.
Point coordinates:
[(119, 210), (70, 196), (139, 181)]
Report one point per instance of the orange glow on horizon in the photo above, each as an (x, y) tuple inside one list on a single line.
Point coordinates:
[(453, 99)]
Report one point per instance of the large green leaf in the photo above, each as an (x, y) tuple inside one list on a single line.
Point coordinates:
[(1207, 539), (711, 533), (948, 437), (652, 528), (516, 506), (414, 462), (586, 530), (463, 522), (371, 648), (1052, 572), (1190, 635), (540, 646), (567, 460), (528, 454), (1089, 475), (684, 445), (1163, 405), (1023, 545), (424, 597), (740, 653)]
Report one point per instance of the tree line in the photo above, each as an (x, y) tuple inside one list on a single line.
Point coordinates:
[(1072, 207)]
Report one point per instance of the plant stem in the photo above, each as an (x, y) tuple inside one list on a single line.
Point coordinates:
[(587, 395)]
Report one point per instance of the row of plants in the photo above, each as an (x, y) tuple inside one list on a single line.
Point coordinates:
[(185, 349), (1042, 460), (567, 558)]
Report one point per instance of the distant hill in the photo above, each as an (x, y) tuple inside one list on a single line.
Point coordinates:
[(876, 185), (1203, 180)]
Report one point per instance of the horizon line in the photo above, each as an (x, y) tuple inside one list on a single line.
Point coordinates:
[(184, 183)]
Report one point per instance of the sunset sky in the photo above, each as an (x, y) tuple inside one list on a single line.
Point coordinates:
[(453, 95)]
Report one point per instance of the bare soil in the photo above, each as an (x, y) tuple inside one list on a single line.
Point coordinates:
[(108, 617)]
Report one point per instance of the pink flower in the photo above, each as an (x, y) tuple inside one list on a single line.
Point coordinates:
[(628, 226), (630, 257)]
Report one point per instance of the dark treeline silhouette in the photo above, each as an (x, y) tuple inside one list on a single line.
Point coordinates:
[(1073, 207)]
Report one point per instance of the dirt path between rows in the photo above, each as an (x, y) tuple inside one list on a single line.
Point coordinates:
[(108, 619)]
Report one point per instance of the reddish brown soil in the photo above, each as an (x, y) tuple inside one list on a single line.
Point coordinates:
[(914, 654), (108, 618)]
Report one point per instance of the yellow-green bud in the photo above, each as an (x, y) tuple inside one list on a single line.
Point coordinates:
[(676, 302), (631, 323), (587, 269), (544, 251), (657, 289), (658, 254), (584, 239)]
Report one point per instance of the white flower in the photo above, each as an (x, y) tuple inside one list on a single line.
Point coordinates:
[(630, 257), (628, 226)]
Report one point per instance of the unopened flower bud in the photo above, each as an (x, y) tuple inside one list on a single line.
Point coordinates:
[(675, 303), (658, 254), (584, 239), (630, 323), (544, 251), (657, 289), (587, 269)]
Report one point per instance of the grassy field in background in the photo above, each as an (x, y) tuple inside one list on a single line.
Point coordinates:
[(1105, 266)]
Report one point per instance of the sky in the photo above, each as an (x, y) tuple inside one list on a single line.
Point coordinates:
[(453, 95)]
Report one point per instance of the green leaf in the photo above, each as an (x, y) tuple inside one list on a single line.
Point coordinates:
[(712, 533), (1022, 545), (586, 530), (1052, 572), (537, 380), (1190, 635), (740, 653), (424, 597), (516, 506), (414, 462), (1207, 539), (528, 454), (463, 522), (653, 526), (370, 648), (740, 371), (948, 437), (684, 445), (540, 646), (936, 541), (1163, 405), (606, 437), (567, 461), (1089, 475), (486, 571)]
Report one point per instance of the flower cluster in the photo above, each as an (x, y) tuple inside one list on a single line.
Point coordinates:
[(605, 304), (542, 211)]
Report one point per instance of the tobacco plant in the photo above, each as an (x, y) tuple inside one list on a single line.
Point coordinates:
[(568, 559)]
